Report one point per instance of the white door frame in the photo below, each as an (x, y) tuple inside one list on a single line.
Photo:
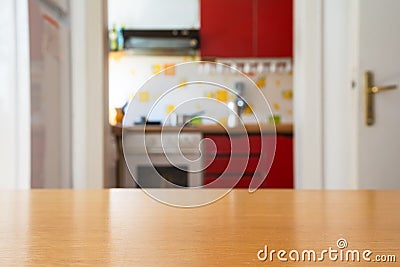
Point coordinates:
[(325, 104), (308, 96), (90, 94)]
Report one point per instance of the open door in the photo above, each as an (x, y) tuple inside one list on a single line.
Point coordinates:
[(378, 116), (341, 141)]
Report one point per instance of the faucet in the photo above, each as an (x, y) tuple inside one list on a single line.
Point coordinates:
[(237, 106), (239, 102)]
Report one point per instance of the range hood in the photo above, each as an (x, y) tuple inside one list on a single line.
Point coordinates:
[(163, 42)]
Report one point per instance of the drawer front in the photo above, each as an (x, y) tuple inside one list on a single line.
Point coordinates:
[(280, 174), (222, 144), (231, 165), (238, 144)]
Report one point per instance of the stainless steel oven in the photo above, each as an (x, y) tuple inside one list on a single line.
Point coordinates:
[(163, 160)]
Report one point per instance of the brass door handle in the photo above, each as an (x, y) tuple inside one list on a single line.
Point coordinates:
[(370, 90), (377, 89)]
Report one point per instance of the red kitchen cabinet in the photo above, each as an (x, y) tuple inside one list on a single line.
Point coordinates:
[(281, 173), (238, 144), (246, 28), (226, 28), (274, 28), (230, 164)]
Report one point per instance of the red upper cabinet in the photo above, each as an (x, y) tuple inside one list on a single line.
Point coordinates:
[(246, 28), (274, 28), (226, 28)]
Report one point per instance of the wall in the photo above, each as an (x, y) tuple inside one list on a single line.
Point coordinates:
[(14, 95), (128, 72), (154, 14)]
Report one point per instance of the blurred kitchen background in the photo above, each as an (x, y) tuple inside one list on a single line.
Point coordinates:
[(144, 38), (151, 37), (70, 68)]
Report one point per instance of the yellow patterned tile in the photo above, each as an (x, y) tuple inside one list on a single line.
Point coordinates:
[(276, 106), (261, 82), (287, 94), (169, 69), (156, 68), (222, 95), (170, 109), (144, 96), (278, 83), (247, 111)]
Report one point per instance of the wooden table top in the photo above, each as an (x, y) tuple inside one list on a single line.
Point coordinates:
[(125, 227)]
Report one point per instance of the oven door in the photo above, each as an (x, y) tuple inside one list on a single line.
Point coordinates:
[(162, 174)]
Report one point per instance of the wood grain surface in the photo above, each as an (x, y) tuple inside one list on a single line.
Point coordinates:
[(125, 227)]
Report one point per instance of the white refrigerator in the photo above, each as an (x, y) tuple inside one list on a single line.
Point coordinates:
[(51, 118)]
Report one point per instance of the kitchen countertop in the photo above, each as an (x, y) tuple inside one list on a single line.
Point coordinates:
[(124, 227), (209, 129)]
